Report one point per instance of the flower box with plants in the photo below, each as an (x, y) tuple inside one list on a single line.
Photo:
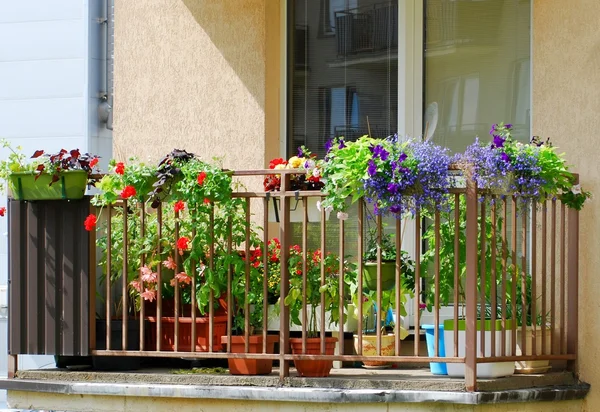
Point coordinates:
[(190, 201), (309, 178), (61, 175)]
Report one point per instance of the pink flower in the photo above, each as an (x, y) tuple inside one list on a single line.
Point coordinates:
[(148, 275), (149, 294), (170, 263), (183, 277), (136, 284)]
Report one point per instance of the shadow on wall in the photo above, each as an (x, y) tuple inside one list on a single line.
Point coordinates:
[(237, 29)]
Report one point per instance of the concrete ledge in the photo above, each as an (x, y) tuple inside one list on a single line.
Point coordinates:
[(294, 394)]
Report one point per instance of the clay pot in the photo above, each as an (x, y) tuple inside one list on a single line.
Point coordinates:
[(255, 345), (369, 348), (202, 344), (313, 368)]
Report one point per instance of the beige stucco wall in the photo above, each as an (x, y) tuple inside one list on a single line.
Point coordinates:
[(192, 74), (566, 104), (32, 400)]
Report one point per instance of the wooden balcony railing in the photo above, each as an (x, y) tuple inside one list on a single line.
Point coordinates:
[(499, 259)]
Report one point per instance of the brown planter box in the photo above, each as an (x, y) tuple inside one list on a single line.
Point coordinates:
[(167, 342)]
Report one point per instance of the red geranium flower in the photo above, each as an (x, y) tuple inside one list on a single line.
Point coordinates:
[(2, 211), (275, 162), (120, 168), (206, 200), (89, 223), (179, 206), (201, 177), (94, 162), (183, 243), (127, 192)]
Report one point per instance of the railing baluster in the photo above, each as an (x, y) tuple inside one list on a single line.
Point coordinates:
[(323, 253), (436, 310), (533, 311), (482, 274), (379, 292), (304, 270), (341, 285), (193, 269), (108, 274), (398, 288), (544, 264), (524, 279), (504, 271), (493, 277), (124, 279), (417, 274), (553, 277), (159, 228), (211, 295), (456, 269), (178, 265), (563, 285), (247, 279), (143, 235), (360, 273), (514, 228), (265, 274)]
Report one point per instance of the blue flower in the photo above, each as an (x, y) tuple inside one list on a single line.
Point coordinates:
[(328, 145)]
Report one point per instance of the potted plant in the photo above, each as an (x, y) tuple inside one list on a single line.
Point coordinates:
[(196, 202), (308, 179), (62, 175), (255, 299), (315, 288)]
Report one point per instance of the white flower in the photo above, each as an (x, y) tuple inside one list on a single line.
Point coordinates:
[(319, 205), (309, 164), (316, 172), (576, 189), (342, 215)]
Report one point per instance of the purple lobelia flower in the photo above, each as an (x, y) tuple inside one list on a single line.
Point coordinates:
[(300, 152), (372, 170)]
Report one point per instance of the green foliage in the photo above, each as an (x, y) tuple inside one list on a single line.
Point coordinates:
[(345, 170), (328, 288)]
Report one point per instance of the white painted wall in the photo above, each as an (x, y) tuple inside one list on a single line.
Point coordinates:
[(52, 64)]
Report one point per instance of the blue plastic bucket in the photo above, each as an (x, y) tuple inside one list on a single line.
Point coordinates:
[(436, 368)]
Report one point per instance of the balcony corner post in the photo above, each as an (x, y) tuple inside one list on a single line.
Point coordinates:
[(471, 289)]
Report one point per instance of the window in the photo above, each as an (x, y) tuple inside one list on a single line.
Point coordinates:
[(345, 84)]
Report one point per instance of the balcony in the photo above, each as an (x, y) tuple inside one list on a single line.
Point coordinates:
[(517, 273), (367, 29)]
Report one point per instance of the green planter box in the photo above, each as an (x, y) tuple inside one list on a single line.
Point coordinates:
[(24, 186)]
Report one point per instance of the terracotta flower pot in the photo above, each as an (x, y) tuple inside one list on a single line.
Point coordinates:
[(313, 368), (255, 345)]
